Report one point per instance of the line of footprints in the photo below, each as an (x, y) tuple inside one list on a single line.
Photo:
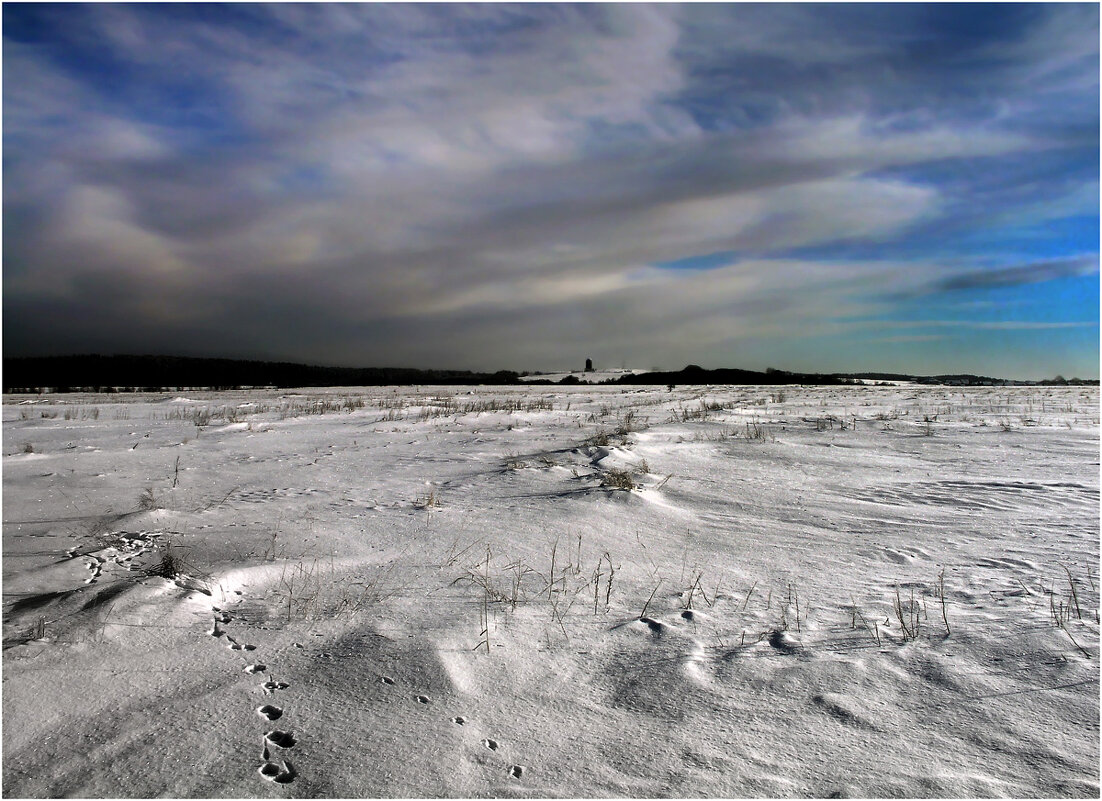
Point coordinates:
[(281, 770), (275, 741), (516, 771)]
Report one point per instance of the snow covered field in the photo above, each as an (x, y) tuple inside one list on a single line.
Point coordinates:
[(553, 591)]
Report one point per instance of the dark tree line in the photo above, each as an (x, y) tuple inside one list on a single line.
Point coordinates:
[(158, 373), (109, 373)]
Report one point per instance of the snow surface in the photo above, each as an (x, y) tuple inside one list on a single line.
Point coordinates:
[(553, 591)]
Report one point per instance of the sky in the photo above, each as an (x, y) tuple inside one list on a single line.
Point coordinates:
[(820, 187)]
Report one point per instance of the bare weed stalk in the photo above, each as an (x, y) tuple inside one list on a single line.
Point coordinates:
[(652, 594), (1074, 593), (749, 592), (694, 588), (484, 612), (873, 630), (941, 594), (908, 616), (608, 585), (551, 575)]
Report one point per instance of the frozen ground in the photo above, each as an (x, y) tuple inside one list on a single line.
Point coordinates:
[(551, 591)]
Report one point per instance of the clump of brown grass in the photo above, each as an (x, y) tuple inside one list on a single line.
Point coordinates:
[(147, 501), (618, 479)]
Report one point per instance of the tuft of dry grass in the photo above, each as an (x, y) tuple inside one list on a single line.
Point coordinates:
[(170, 566), (147, 501), (316, 591), (618, 479), (909, 615), (598, 439)]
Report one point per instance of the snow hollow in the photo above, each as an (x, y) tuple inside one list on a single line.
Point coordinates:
[(552, 592)]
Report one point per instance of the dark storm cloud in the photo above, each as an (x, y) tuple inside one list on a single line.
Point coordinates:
[(477, 185)]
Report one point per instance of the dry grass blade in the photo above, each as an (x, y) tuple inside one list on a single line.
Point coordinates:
[(652, 594)]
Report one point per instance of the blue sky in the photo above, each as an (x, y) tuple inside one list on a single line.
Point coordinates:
[(905, 188)]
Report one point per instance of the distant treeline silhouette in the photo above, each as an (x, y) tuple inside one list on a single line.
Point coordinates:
[(156, 373), (94, 373), (694, 374)]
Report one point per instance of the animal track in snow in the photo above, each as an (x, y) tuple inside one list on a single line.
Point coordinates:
[(268, 495), (783, 642), (840, 709), (274, 773), (421, 699), (516, 771), (96, 569), (491, 744), (459, 720), (269, 712), (281, 739), (386, 680), (278, 771), (896, 556), (282, 772)]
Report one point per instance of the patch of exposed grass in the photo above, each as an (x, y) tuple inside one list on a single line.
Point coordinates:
[(618, 479)]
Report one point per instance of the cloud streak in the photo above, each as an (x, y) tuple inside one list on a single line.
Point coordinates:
[(1032, 273)]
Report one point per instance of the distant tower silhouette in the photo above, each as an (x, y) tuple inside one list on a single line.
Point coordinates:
[(589, 365)]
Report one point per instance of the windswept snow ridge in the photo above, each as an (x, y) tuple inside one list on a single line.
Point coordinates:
[(553, 591)]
